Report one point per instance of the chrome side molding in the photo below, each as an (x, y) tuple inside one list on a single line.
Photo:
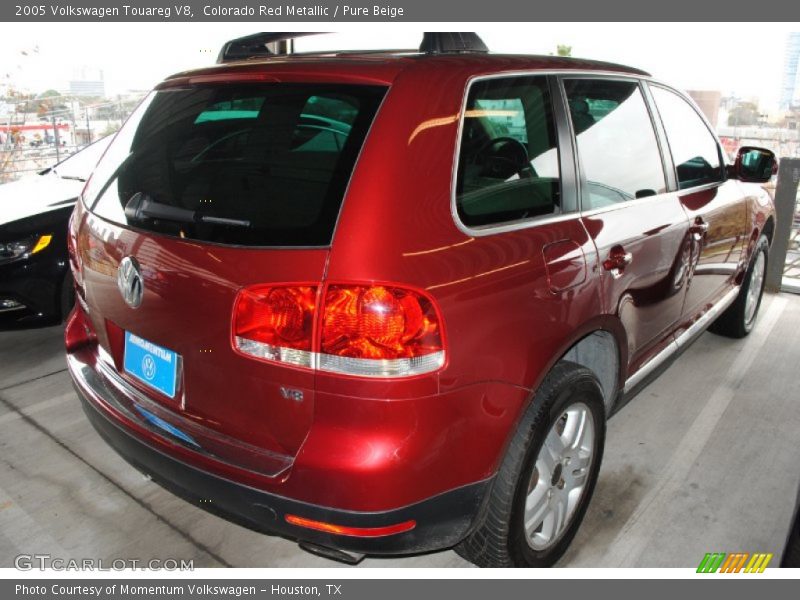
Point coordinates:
[(682, 340)]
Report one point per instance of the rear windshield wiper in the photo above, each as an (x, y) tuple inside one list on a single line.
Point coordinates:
[(142, 206)]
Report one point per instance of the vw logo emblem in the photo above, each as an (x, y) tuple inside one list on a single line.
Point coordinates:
[(148, 367), (129, 282)]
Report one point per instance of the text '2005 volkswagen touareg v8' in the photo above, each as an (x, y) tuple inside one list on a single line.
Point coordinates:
[(383, 303)]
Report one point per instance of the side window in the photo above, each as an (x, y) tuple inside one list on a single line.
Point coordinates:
[(616, 142), (694, 149), (508, 164)]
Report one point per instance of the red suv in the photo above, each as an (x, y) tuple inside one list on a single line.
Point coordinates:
[(383, 303)]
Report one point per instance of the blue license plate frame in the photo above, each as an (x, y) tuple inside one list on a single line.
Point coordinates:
[(151, 364)]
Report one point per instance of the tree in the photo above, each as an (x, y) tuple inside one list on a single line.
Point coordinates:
[(564, 50), (743, 114), (110, 128), (48, 102)]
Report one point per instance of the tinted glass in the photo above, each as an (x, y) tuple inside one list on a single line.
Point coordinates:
[(616, 142), (694, 149), (256, 165), (508, 165)]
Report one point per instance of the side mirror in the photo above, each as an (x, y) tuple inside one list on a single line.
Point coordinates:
[(756, 165)]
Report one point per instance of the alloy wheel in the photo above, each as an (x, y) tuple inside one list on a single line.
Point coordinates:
[(559, 477)]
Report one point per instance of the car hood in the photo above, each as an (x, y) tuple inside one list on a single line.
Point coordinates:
[(37, 194)]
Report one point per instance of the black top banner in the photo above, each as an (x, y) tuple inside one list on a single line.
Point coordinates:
[(398, 10)]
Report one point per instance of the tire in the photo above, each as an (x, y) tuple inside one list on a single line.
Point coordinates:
[(569, 393), (791, 554), (740, 317)]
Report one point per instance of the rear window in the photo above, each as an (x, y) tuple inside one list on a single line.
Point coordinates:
[(253, 165)]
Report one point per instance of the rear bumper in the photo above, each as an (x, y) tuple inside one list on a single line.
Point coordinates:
[(440, 522), (262, 489)]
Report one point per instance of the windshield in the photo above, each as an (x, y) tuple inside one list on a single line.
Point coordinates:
[(253, 164), (79, 166)]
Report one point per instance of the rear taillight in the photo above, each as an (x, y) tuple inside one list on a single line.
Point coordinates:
[(364, 330), (379, 331), (276, 323)]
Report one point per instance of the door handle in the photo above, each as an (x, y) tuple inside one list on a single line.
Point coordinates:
[(617, 260), (700, 227)]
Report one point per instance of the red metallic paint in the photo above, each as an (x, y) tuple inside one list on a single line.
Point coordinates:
[(647, 296), (223, 389), (719, 235), (565, 264)]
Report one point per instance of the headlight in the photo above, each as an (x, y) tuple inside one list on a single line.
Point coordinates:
[(23, 248)]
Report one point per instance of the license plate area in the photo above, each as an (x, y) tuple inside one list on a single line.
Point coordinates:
[(151, 364)]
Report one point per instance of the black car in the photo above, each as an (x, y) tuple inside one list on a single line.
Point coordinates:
[(35, 280)]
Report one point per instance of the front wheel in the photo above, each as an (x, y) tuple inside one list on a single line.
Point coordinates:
[(740, 317), (542, 490)]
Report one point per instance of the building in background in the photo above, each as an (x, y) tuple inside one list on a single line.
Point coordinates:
[(790, 86), (87, 82), (708, 101)]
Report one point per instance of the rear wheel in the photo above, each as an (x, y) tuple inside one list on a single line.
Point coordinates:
[(544, 485), (740, 317)]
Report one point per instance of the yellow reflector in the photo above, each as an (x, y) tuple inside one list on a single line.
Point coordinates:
[(44, 242)]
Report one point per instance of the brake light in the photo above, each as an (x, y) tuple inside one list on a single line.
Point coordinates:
[(379, 331), (276, 323), (365, 330)]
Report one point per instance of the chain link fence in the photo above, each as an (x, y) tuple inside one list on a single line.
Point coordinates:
[(16, 163), (32, 142)]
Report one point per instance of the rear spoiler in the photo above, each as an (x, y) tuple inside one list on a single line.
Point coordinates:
[(265, 44)]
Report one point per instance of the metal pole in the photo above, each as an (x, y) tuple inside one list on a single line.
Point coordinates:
[(8, 128), (74, 130), (55, 136), (88, 131), (785, 202)]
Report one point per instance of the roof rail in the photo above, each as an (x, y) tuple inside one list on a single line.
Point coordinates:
[(264, 44), (448, 43)]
